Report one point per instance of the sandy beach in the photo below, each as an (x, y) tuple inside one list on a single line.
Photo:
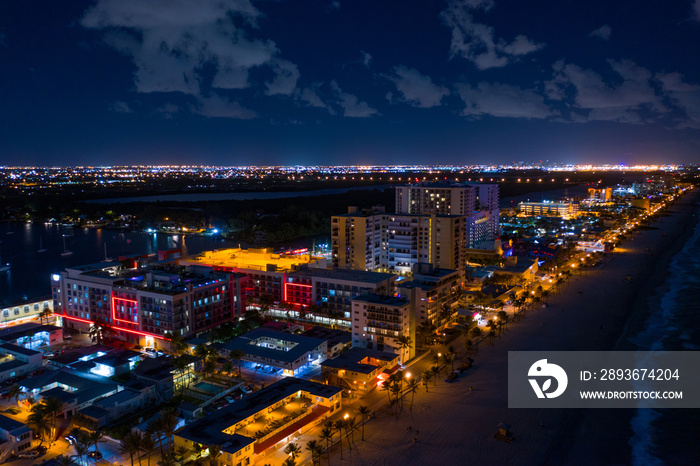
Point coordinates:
[(598, 309)]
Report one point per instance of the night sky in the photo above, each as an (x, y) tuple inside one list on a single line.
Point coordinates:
[(239, 82)]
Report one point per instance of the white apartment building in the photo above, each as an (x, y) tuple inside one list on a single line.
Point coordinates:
[(478, 202), (376, 241), (378, 321)]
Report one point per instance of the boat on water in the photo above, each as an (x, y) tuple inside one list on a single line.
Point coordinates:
[(41, 245), (4, 267), (65, 252)]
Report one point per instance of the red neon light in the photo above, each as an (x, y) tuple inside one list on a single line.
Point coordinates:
[(145, 334), (284, 298), (114, 300)]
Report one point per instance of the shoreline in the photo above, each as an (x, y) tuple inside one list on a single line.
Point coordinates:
[(649, 287), (598, 310)]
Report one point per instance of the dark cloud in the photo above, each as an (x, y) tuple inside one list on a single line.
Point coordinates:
[(602, 32), (477, 42), (503, 100), (172, 43), (416, 88), (351, 105)]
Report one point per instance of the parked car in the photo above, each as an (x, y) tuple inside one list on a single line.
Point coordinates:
[(95, 455), (67, 336), (450, 378), (29, 454)]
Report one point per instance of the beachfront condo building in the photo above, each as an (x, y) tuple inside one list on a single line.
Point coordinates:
[(142, 298), (373, 240), (432, 293), (565, 210), (325, 295), (267, 271), (477, 201), (378, 322)]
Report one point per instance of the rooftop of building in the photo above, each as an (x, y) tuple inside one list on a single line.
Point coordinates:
[(10, 425), (520, 266), (209, 430), (69, 379), (360, 276), (94, 412), (382, 300), (333, 336), (74, 355), (255, 259), (350, 360), (117, 358), (23, 330), (80, 396), (11, 365), (246, 343), (119, 398), (18, 349)]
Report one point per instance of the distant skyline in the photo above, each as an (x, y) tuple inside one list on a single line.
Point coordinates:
[(240, 82)]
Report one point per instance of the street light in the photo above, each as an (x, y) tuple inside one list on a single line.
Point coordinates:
[(408, 375)]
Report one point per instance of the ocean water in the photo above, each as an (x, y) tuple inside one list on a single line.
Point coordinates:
[(675, 326), (30, 270)]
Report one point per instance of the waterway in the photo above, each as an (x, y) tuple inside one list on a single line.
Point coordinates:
[(201, 197), (30, 270)]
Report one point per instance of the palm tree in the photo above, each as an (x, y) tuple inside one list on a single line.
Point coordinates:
[(405, 343), (293, 450), (64, 460), (209, 366), (198, 450), (350, 426), (176, 343), (14, 392), (182, 366), (364, 412), (168, 417), (426, 330), (327, 435), (316, 450), (502, 319), (435, 370), (183, 452), (39, 421), (82, 442), (477, 334), (214, 453), (202, 351), (46, 313), (100, 331), (395, 390), (154, 427), (81, 449), (53, 407), (237, 356), (95, 436), (148, 445), (450, 354), (425, 377), (413, 386), (130, 444), (339, 425)]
